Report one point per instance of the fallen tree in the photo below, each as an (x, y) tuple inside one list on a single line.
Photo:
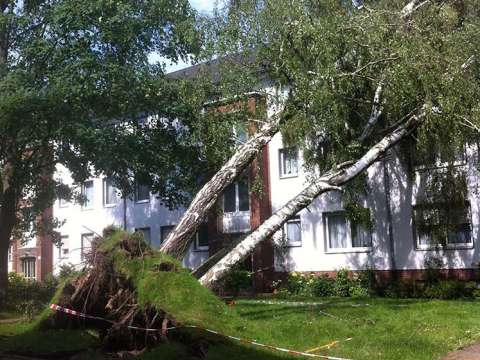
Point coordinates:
[(133, 288), (330, 182), (180, 238)]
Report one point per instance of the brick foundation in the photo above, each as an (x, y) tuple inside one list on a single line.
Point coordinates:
[(408, 276)]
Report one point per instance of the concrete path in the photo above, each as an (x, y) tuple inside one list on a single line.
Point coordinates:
[(469, 353)]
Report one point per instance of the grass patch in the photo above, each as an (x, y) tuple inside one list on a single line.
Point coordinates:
[(380, 329), (177, 292)]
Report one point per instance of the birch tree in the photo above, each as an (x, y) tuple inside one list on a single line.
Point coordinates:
[(354, 71)]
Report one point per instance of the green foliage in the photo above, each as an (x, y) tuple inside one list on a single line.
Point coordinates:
[(450, 289), (323, 286), (343, 283), (237, 280), (70, 73), (28, 297), (176, 291)]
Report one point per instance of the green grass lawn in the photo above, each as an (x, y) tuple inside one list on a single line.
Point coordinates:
[(378, 328)]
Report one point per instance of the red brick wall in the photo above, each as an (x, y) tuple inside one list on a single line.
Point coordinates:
[(409, 276)]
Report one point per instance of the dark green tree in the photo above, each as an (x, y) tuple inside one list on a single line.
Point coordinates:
[(75, 90)]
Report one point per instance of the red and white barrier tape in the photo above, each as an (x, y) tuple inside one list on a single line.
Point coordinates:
[(55, 307)]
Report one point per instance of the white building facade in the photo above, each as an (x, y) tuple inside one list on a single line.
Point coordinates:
[(406, 231)]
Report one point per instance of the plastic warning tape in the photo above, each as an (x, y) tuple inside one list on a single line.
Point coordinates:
[(55, 307)]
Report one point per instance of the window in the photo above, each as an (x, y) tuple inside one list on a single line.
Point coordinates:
[(142, 193), (28, 268), (201, 238), (240, 133), (87, 193), (288, 159), (110, 193), (292, 232), (10, 254), (165, 231), (343, 235), (236, 197), (442, 225), (63, 202), (86, 242), (435, 156), (145, 233), (63, 247)]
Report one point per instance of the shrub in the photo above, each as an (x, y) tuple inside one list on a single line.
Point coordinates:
[(237, 280), (432, 269), (27, 297), (343, 283), (323, 286), (67, 271), (368, 281), (450, 289), (358, 291)]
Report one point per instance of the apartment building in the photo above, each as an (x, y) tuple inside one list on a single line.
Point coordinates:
[(408, 229)]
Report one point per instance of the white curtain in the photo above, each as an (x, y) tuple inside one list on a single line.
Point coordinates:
[(337, 231)]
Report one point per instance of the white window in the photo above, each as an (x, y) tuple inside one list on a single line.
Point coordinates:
[(165, 231), (201, 238), (343, 235), (236, 197), (142, 193), (63, 247), (28, 268), (110, 193), (86, 244), (63, 202), (10, 254), (87, 194), (443, 225), (292, 232), (288, 162), (145, 231)]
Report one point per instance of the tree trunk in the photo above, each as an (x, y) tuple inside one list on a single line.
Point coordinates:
[(324, 184), (7, 223), (179, 239)]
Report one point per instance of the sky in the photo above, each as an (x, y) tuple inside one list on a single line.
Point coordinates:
[(203, 6)]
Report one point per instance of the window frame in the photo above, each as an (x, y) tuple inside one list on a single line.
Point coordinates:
[(237, 200), (25, 261), (291, 244), (165, 227), (350, 248), (83, 236), (196, 245), (91, 205), (439, 246), (141, 201), (63, 203), (105, 183), (62, 251), (281, 161)]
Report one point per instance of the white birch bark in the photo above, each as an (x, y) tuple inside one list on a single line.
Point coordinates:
[(326, 183), (179, 239)]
